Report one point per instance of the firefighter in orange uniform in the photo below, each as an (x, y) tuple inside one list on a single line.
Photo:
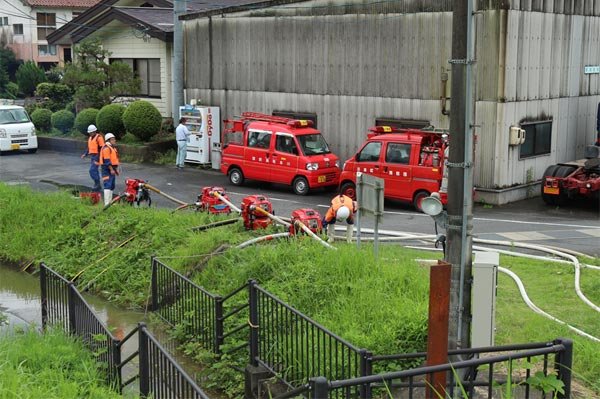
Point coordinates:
[(95, 144), (342, 209), (109, 160)]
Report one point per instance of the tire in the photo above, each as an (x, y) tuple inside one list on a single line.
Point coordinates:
[(300, 185), (563, 171), (349, 189), (236, 177), (548, 198), (418, 198), (32, 150)]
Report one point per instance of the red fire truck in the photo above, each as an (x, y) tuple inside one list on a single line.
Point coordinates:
[(279, 150), (411, 162)]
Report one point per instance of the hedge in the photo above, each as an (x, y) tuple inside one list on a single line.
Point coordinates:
[(42, 119), (142, 119), (85, 118), (110, 120), (63, 120)]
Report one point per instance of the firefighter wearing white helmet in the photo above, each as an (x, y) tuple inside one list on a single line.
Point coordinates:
[(94, 146), (109, 160), (342, 209)]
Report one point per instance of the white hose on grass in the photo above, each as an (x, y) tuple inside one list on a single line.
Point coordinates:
[(262, 238)]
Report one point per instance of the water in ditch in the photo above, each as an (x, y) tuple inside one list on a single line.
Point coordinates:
[(21, 304)]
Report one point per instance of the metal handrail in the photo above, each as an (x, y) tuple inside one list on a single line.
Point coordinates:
[(187, 280)]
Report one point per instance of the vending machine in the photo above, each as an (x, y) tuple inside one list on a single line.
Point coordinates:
[(204, 144)]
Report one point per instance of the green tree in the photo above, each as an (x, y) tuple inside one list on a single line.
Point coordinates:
[(55, 95), (29, 75), (95, 82)]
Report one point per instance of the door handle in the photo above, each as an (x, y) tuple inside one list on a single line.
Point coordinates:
[(385, 169)]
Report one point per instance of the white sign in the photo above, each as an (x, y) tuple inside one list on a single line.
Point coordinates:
[(591, 69)]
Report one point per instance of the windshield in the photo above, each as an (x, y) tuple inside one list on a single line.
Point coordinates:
[(313, 144), (16, 115)]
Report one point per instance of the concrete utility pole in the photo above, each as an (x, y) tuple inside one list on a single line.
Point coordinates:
[(179, 8), (460, 177)]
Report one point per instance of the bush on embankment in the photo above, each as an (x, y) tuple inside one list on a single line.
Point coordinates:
[(51, 365)]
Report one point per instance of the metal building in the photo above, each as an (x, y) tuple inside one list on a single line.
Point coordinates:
[(354, 64)]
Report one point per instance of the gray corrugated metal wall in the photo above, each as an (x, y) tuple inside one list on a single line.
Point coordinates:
[(351, 69)]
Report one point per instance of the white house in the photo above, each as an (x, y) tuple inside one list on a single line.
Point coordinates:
[(25, 25)]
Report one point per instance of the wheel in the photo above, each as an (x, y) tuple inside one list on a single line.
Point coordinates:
[(300, 185), (549, 198), (418, 198), (32, 150), (563, 171), (349, 189), (236, 177)]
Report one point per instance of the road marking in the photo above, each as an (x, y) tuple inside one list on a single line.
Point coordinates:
[(537, 223), (592, 232), (525, 236), (271, 198)]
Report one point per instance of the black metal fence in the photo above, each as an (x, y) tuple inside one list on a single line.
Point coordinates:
[(158, 375), (63, 306), (484, 377)]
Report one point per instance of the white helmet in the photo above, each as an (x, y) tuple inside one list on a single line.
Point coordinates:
[(92, 129), (109, 136), (342, 213)]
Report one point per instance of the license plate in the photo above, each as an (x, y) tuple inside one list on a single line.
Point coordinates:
[(551, 190), (15, 146), (322, 179)]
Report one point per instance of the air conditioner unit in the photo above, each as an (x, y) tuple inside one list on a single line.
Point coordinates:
[(517, 136)]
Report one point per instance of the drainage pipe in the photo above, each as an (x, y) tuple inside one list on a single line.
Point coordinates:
[(167, 196), (540, 311), (308, 231), (262, 238), (226, 201)]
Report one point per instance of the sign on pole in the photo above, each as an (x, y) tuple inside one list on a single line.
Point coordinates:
[(369, 195)]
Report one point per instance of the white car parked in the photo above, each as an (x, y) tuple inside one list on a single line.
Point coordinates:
[(16, 130)]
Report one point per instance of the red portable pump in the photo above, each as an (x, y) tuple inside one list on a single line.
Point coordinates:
[(208, 202), (254, 219), (93, 196), (135, 191), (309, 217)]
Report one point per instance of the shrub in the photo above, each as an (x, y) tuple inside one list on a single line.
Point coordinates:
[(63, 120), (110, 120), (55, 95), (85, 118), (70, 106), (12, 89), (142, 119), (42, 119), (29, 75)]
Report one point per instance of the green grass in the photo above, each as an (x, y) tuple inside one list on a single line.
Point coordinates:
[(380, 306), (48, 366)]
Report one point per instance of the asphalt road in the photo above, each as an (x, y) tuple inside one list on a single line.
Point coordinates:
[(576, 227)]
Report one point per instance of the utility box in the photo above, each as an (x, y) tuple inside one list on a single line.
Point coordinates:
[(517, 136), (485, 278), (204, 145)]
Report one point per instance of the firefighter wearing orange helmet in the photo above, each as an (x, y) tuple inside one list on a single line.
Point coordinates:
[(342, 209), (109, 160)]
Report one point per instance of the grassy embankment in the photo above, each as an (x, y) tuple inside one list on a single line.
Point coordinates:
[(381, 307), (52, 366)]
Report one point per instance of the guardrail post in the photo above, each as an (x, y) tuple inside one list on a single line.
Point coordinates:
[(564, 364), (143, 359), (319, 388), (218, 324), (116, 359), (44, 294), (253, 306), (71, 306), (365, 370), (154, 286)]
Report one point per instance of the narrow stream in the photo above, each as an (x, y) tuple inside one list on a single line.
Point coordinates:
[(20, 302)]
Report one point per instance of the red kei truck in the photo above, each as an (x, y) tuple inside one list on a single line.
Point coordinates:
[(410, 161), (278, 150), (576, 179)]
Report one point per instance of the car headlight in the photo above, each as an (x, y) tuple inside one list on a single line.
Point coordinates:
[(337, 163), (312, 166), (3, 134), (33, 131)]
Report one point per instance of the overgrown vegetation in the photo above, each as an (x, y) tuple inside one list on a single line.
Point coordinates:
[(378, 306), (29, 75), (51, 365)]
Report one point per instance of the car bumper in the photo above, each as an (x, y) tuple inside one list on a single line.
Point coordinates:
[(324, 178), (18, 144)]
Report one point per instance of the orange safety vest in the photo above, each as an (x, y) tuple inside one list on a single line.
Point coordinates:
[(336, 203), (95, 144), (109, 155)]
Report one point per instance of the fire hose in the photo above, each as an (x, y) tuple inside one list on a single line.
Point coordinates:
[(167, 196), (262, 238), (313, 235)]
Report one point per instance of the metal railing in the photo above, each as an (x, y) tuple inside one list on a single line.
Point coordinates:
[(63, 306), (481, 378), (179, 301), (159, 375), (295, 348)]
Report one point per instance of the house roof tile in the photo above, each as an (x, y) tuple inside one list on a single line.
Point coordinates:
[(63, 3)]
